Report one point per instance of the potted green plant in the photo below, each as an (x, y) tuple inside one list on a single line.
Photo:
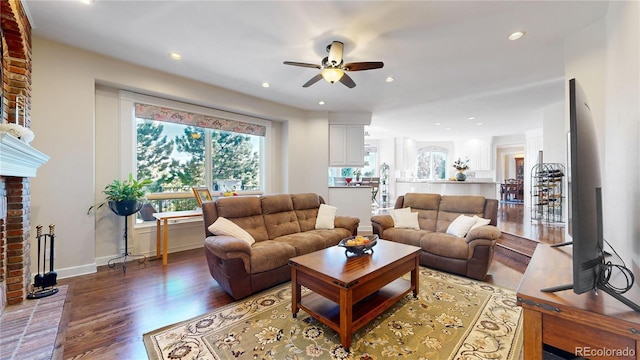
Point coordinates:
[(124, 197)]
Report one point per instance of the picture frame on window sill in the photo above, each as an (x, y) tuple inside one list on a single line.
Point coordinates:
[(202, 194)]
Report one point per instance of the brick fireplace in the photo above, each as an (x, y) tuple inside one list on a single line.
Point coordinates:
[(18, 160), (15, 272)]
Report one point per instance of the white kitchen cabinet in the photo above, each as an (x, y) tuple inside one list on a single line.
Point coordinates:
[(346, 145), (478, 151)]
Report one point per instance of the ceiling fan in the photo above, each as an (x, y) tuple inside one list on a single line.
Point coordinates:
[(333, 67)]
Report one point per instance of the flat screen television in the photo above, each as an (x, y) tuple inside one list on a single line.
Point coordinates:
[(585, 200)]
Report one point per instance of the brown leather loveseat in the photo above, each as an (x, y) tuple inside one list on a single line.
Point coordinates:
[(469, 255), (283, 226)]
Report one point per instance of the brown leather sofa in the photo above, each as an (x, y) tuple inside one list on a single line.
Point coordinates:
[(283, 227), (469, 256)]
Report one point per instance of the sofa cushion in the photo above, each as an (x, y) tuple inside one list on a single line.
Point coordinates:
[(426, 205), (332, 237), (479, 222), (445, 245), (407, 220), (246, 212), (306, 208), (223, 226), (452, 206), (461, 226), (304, 242), (405, 236), (279, 217), (326, 217), (396, 212), (268, 255)]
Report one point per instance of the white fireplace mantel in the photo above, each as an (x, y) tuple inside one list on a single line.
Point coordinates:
[(19, 159)]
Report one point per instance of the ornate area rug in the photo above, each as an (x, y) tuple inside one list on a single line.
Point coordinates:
[(452, 318)]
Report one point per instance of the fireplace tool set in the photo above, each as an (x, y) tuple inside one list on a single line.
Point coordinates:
[(44, 284)]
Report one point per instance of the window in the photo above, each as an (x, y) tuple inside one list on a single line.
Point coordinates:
[(432, 163), (179, 150)]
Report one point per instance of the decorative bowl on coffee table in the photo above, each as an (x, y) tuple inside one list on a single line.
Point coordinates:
[(359, 250)]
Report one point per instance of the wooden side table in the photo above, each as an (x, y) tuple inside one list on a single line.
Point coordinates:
[(590, 325), (162, 220)]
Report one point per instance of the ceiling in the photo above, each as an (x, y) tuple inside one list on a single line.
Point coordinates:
[(451, 60)]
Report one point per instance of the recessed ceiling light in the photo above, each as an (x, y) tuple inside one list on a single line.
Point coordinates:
[(447, 128), (479, 123), (320, 102), (516, 35), (437, 124), (266, 84), (88, 2), (389, 79), (471, 118), (175, 56)]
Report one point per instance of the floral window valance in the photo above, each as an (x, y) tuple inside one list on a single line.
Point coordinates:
[(152, 112)]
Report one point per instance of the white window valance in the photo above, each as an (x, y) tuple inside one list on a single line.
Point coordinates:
[(159, 113)]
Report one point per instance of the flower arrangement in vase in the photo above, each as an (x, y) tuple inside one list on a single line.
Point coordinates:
[(461, 166)]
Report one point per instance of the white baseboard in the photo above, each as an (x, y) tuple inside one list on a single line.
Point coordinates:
[(101, 261), (104, 260), (76, 271)]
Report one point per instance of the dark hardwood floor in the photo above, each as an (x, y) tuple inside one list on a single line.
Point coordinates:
[(106, 313), (516, 219)]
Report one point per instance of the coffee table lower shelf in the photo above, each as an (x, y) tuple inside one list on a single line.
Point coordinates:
[(367, 309)]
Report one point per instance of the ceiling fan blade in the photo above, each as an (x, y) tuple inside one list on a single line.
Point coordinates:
[(313, 80), (335, 53), (348, 81), (293, 63), (368, 65)]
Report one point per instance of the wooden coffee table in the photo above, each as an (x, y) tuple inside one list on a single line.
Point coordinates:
[(347, 293)]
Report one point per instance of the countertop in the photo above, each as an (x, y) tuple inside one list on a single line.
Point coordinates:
[(349, 187), (447, 182)]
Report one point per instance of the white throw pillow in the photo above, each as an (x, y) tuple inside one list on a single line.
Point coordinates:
[(461, 226), (326, 217), (407, 220), (479, 222), (223, 226), (396, 212)]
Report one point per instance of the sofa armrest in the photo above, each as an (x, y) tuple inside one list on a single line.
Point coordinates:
[(381, 223), (479, 238), (347, 222), (227, 247), (485, 232)]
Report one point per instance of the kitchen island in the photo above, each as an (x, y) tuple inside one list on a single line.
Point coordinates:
[(488, 189)]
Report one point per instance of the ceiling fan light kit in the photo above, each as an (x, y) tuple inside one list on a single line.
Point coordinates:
[(333, 67), (332, 74)]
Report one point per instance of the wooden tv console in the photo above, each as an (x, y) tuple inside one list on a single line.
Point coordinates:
[(590, 325)]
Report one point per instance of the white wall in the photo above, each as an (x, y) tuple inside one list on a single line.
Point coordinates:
[(622, 131), (554, 134), (78, 127), (309, 167), (604, 58)]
